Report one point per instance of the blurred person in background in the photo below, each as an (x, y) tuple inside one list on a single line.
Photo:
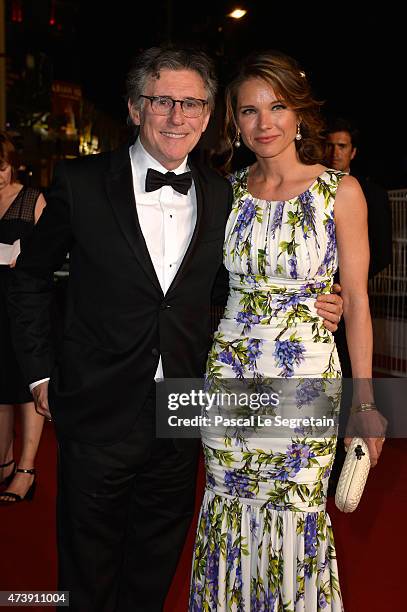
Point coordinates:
[(20, 208)]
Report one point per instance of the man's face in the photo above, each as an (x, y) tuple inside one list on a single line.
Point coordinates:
[(339, 151), (170, 138)]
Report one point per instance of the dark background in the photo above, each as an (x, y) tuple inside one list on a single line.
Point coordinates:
[(353, 54)]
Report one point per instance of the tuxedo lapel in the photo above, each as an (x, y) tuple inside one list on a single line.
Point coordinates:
[(120, 190), (198, 226)]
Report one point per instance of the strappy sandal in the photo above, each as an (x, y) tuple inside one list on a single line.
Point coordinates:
[(15, 498)]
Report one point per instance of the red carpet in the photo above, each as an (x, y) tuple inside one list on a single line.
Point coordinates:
[(371, 543)]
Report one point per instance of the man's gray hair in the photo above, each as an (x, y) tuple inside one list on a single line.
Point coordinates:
[(149, 63)]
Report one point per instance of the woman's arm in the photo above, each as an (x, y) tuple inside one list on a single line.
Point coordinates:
[(39, 207), (353, 251)]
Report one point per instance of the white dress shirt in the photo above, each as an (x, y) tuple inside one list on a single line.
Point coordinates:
[(167, 219)]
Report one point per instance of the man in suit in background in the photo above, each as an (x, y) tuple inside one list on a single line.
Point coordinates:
[(144, 227)]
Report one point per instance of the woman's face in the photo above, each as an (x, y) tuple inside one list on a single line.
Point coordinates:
[(5, 175), (267, 125)]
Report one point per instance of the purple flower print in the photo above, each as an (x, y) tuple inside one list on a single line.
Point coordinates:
[(330, 252), (287, 353), (298, 456), (277, 219), (308, 214), (237, 484), (247, 318), (254, 525), (310, 534), (284, 303), (322, 601), (246, 215), (253, 352), (307, 391), (227, 357), (310, 288), (212, 572), (310, 540), (262, 600), (233, 552), (210, 480), (293, 266)]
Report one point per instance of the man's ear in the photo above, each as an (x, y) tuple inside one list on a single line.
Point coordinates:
[(134, 113), (206, 121), (353, 153)]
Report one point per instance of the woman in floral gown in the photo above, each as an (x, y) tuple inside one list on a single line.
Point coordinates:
[(264, 540)]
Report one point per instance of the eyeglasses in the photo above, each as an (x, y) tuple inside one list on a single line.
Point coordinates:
[(163, 105)]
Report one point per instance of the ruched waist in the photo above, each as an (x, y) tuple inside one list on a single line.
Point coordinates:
[(303, 287)]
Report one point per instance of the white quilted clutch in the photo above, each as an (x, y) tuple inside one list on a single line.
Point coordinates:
[(353, 476)]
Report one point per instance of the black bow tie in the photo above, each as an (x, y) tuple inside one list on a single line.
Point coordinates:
[(179, 182)]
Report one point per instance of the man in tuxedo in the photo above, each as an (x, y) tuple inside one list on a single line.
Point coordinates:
[(144, 227)]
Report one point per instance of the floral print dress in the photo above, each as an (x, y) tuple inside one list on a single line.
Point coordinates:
[(264, 540)]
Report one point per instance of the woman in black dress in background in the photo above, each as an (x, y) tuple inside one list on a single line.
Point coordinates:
[(20, 208)]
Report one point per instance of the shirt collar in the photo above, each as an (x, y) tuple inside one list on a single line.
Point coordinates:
[(141, 161)]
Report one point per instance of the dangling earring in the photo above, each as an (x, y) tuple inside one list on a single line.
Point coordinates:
[(237, 142), (298, 135)]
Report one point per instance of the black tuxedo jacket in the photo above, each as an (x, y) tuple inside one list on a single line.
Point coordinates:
[(118, 320)]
